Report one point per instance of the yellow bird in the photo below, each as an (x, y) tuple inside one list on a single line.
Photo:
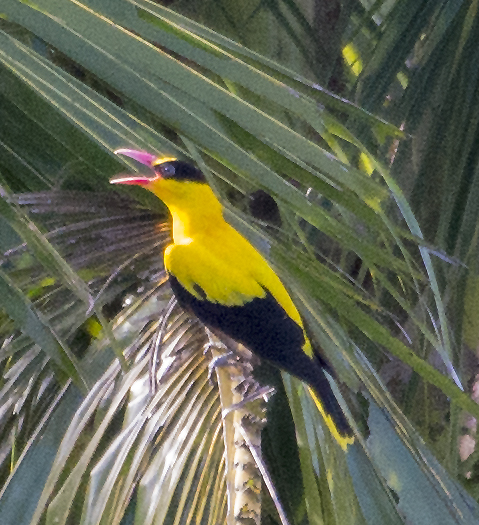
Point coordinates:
[(218, 275)]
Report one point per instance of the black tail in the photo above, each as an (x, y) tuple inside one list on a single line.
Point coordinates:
[(313, 371), (329, 407)]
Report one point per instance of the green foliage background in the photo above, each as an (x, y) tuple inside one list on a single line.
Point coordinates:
[(361, 120)]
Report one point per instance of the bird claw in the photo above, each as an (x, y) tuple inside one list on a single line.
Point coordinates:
[(213, 342), (227, 359), (263, 393)]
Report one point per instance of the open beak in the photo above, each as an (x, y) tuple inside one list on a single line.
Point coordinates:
[(140, 156)]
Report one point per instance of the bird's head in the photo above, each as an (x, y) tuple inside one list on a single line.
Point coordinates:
[(170, 179), (164, 168)]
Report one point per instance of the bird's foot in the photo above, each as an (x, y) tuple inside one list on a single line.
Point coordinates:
[(263, 393), (213, 343), (223, 360)]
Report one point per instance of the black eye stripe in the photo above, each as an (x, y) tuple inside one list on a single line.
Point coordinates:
[(167, 170), (179, 170)]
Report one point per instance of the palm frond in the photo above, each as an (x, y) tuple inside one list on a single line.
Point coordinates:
[(351, 251)]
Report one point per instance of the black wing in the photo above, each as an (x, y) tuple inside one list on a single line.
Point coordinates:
[(262, 325)]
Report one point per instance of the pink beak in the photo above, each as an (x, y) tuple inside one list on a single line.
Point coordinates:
[(141, 156)]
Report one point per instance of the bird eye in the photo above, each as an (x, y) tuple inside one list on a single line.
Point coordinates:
[(167, 170)]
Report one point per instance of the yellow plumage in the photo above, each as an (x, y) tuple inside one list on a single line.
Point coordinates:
[(210, 253), (217, 274)]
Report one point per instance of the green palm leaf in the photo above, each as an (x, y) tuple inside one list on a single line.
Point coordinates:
[(90, 271)]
